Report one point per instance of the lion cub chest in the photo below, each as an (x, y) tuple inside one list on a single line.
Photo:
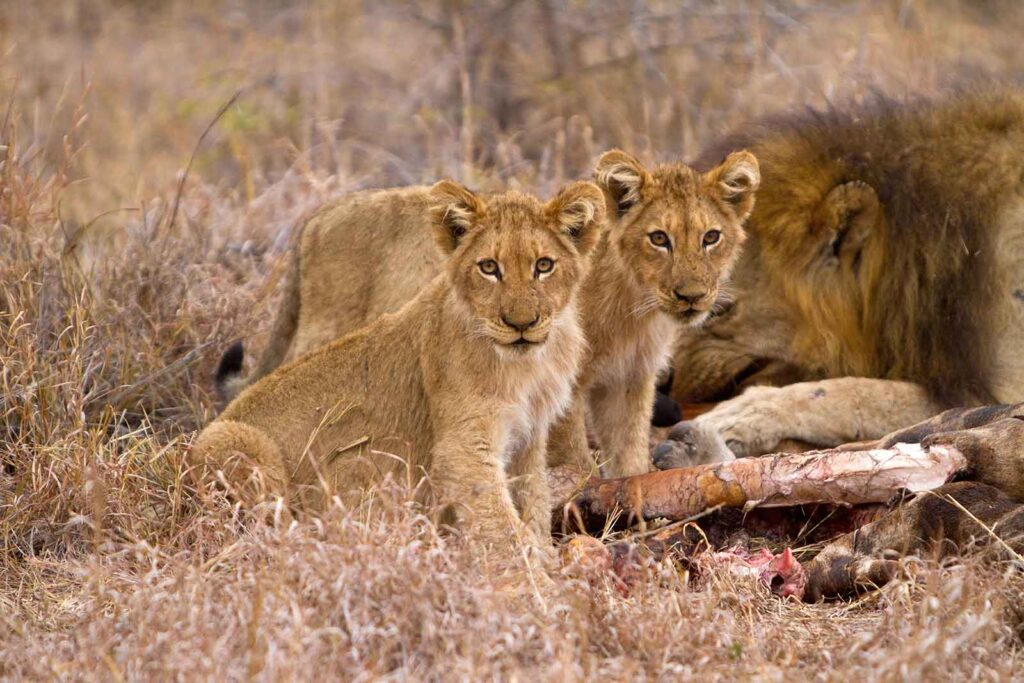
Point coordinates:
[(540, 394), (641, 349)]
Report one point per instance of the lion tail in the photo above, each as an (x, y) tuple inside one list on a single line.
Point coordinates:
[(228, 379)]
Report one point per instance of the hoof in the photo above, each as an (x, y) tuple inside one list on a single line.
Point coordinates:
[(671, 454)]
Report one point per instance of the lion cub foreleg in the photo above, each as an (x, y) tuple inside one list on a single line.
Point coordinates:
[(567, 442), (531, 492), (468, 477), (621, 417)]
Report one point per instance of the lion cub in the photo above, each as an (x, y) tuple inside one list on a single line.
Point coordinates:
[(674, 238), (674, 234), (462, 383)]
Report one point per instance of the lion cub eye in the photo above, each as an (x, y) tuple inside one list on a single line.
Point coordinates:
[(543, 266), (712, 237), (490, 268), (659, 239)]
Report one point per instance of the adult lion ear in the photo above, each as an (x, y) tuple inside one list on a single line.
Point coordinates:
[(735, 181), (454, 211), (845, 219), (578, 211), (622, 178)]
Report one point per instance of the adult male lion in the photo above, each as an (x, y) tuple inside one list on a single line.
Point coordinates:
[(885, 265)]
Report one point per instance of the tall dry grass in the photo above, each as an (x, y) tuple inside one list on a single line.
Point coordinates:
[(122, 279)]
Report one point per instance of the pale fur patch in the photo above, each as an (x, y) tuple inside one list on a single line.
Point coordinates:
[(625, 176), (739, 178), (647, 354), (455, 215), (539, 383), (577, 214)]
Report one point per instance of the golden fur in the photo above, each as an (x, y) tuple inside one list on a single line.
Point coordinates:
[(461, 384), (638, 295), (363, 255), (887, 243)]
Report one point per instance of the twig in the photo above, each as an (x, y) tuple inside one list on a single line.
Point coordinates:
[(673, 525), (195, 150), (10, 106), (117, 395)]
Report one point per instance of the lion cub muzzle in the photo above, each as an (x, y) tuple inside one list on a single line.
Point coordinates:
[(690, 304), (524, 330)]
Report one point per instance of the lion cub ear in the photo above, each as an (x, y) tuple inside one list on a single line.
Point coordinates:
[(578, 211), (845, 219), (735, 181), (622, 178), (454, 211)]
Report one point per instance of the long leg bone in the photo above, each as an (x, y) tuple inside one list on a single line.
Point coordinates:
[(830, 476), (985, 444)]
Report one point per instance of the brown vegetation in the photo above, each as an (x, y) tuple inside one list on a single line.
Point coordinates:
[(117, 295)]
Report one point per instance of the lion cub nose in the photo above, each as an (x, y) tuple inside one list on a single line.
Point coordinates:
[(520, 325), (688, 296)]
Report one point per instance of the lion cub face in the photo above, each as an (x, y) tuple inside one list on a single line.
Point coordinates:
[(679, 231), (513, 262)]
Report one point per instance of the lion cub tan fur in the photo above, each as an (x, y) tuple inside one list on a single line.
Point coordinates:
[(462, 383), (673, 237), (672, 243)]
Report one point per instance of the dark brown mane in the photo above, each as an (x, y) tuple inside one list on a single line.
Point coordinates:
[(941, 170)]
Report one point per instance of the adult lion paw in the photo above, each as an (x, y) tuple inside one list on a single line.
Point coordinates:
[(691, 443), (750, 424)]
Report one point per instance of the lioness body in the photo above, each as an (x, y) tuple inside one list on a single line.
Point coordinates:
[(461, 384), (885, 268), (364, 254)]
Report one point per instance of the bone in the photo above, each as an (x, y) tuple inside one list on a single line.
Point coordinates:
[(829, 476)]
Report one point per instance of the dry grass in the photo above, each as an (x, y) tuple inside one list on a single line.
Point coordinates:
[(112, 315)]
